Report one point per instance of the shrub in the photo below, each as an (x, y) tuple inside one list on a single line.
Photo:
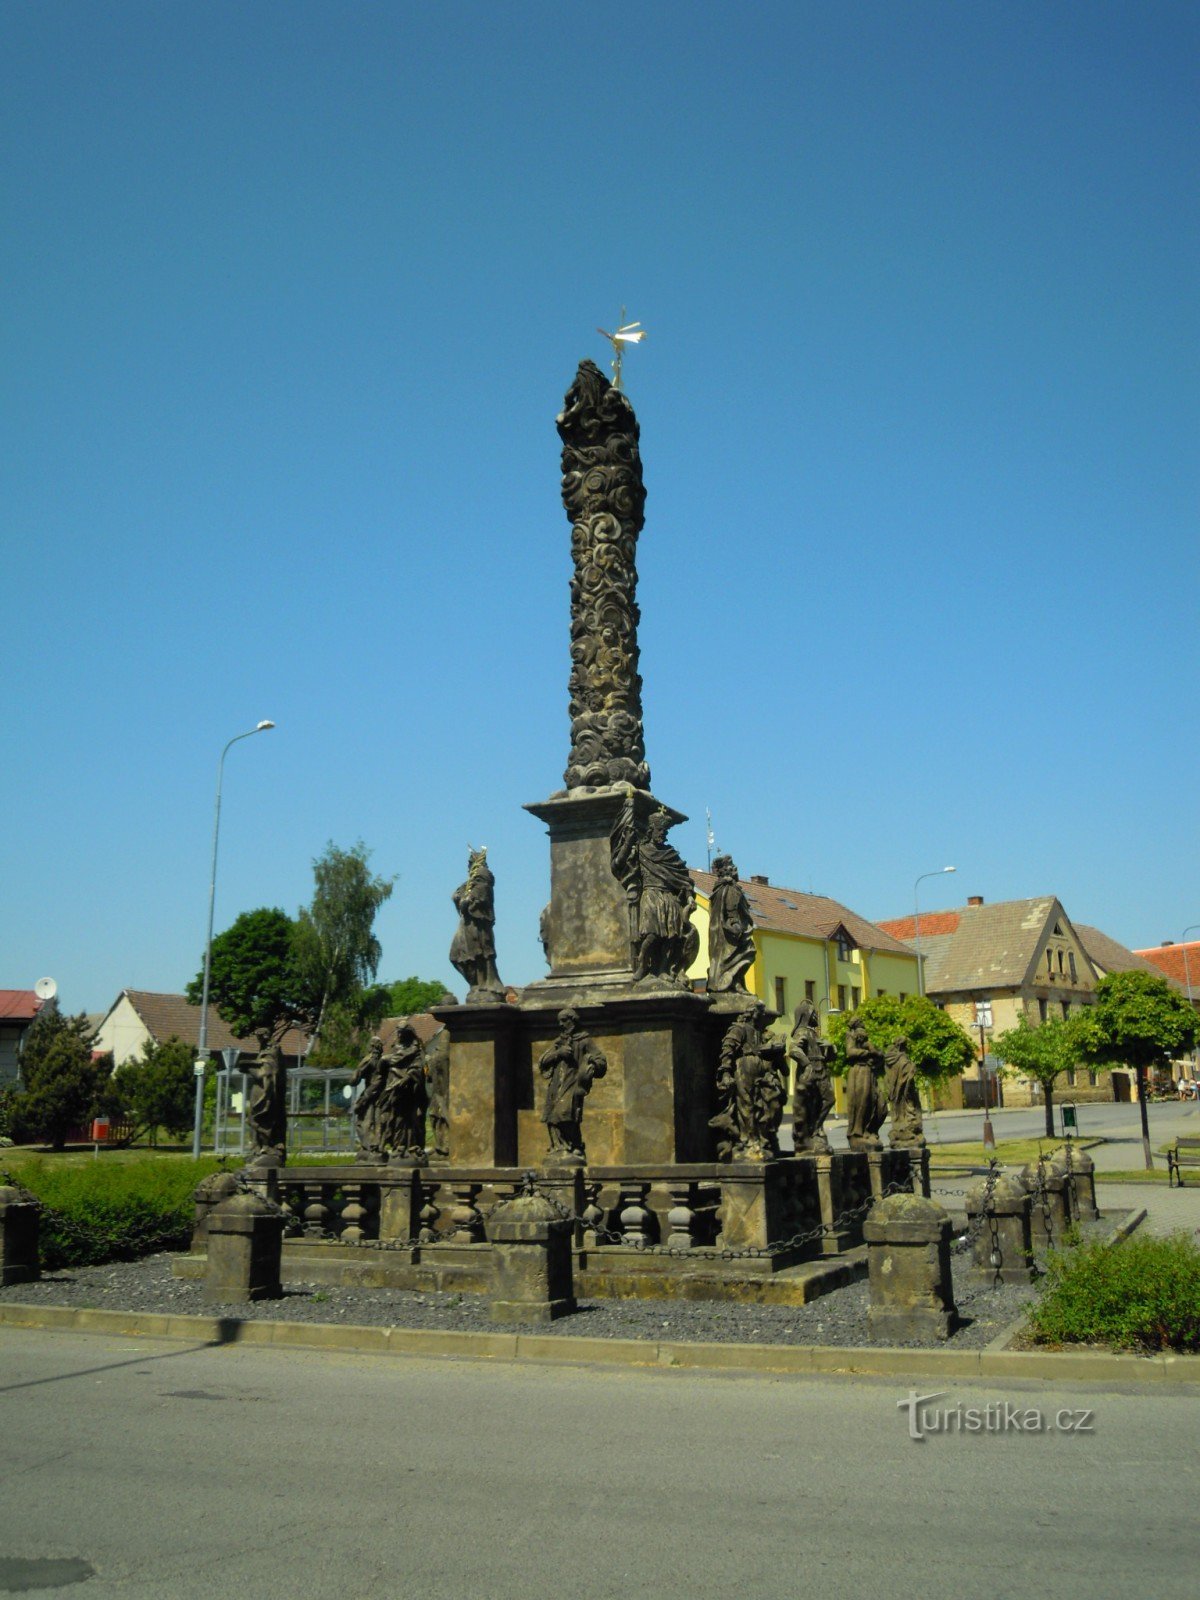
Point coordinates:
[(1140, 1295), (103, 1212)]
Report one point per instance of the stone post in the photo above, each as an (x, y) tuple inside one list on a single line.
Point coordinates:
[(1076, 1161), (1050, 1216), (245, 1250), (531, 1260), (20, 1211), (1003, 1247), (908, 1265)]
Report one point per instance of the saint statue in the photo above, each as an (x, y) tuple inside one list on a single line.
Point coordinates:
[(403, 1098), (904, 1102), (437, 1078), (473, 948), (866, 1105), (570, 1066), (730, 931), (661, 897), (751, 1090), (812, 1097), (266, 1107), (368, 1080)]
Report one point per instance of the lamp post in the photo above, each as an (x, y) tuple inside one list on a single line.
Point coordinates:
[(917, 923), (1187, 972), (202, 1044)]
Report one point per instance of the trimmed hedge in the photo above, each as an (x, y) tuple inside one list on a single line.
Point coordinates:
[(116, 1212), (1143, 1295)]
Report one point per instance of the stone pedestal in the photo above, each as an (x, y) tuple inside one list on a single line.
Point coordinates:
[(245, 1248), (1003, 1244), (908, 1264), (1051, 1205), (20, 1212), (483, 1082), (208, 1194), (1083, 1172), (531, 1253)]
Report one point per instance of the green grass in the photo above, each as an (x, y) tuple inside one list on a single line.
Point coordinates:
[(1142, 1295), (1013, 1152)]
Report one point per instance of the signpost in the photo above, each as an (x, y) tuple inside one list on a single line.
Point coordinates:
[(983, 1021)]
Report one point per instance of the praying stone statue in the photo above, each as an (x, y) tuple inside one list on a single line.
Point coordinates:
[(266, 1107), (812, 1097), (751, 1090), (368, 1080), (570, 1066), (730, 931), (866, 1104), (473, 948), (604, 498), (661, 897), (403, 1098), (904, 1103)]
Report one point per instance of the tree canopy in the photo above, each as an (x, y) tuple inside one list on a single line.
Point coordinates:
[(1138, 1020), (253, 981), (157, 1088), (336, 951), (407, 996), (937, 1046), (64, 1084), (1042, 1053)]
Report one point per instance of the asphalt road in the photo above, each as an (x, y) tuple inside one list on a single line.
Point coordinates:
[(177, 1472)]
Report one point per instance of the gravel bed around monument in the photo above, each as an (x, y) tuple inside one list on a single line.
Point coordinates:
[(838, 1318)]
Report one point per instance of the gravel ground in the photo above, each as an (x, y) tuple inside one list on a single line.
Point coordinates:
[(838, 1318)]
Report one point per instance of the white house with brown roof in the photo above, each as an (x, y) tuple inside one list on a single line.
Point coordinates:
[(138, 1017)]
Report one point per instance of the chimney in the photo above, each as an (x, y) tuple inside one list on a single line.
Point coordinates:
[(974, 899), (759, 877), (1167, 943)]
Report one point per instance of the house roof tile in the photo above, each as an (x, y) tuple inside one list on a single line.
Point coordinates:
[(20, 1005), (1109, 956), (812, 916)]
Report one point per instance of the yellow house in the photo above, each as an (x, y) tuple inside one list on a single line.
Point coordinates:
[(807, 946)]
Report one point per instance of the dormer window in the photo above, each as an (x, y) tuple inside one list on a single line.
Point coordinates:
[(844, 947)]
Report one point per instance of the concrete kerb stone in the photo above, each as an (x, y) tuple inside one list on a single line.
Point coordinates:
[(1083, 1367)]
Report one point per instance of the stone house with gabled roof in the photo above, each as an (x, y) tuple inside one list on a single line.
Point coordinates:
[(1029, 960)]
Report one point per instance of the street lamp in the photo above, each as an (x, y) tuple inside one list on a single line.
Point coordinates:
[(202, 1045), (1187, 971), (917, 923)]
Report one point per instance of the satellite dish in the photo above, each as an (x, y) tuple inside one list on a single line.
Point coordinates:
[(45, 988)]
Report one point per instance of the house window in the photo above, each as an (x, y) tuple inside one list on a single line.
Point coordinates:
[(1050, 962), (841, 997), (1074, 973), (781, 995), (1091, 1077), (1060, 960), (903, 996), (810, 990), (855, 997), (1066, 1009), (1071, 1076), (881, 991), (1043, 1008), (843, 949)]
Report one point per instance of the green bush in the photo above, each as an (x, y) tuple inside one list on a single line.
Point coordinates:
[(1140, 1295), (102, 1212)]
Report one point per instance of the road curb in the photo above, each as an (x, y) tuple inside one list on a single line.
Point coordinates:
[(1097, 1367)]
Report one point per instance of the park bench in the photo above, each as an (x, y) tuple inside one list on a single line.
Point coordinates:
[(1185, 1154)]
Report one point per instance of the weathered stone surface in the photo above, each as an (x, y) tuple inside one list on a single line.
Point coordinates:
[(266, 1107), (1003, 1242), (483, 1069), (812, 1091), (1071, 1159), (908, 1268), (532, 1261), (208, 1193), (473, 948), (900, 1091), (245, 1248), (569, 1067), (660, 894), (866, 1104), (20, 1217), (730, 930), (751, 1089), (1047, 1187), (604, 498)]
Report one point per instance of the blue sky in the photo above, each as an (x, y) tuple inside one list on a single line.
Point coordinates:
[(292, 295)]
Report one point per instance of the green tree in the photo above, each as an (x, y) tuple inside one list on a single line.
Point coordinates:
[(336, 951), (348, 1026), (407, 996), (1044, 1053), (1138, 1021), (157, 1088), (939, 1048), (254, 983), (64, 1083)]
